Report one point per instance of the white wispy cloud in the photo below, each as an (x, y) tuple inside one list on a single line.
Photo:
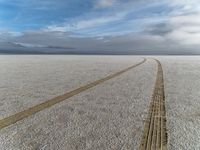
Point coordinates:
[(104, 3), (28, 45), (88, 23), (186, 29), (182, 26), (58, 28), (116, 22)]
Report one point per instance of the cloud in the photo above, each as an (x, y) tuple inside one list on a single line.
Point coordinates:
[(184, 38), (115, 22), (183, 29), (159, 29), (187, 20), (56, 42), (104, 3), (115, 26), (84, 24), (6, 35), (182, 26), (27, 45)]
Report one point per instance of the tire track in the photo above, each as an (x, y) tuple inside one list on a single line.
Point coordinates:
[(32, 110), (155, 133)]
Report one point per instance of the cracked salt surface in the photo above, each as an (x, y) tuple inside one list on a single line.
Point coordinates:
[(108, 116)]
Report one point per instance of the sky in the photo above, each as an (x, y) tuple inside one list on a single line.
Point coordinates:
[(100, 26)]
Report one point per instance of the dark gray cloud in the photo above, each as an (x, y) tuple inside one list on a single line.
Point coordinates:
[(65, 43), (160, 29)]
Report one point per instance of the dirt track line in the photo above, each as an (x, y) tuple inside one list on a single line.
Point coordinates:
[(32, 110), (155, 133)]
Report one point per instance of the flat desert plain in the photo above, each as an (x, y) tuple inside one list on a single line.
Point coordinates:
[(99, 102)]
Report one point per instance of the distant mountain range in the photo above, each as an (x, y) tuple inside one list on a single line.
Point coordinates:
[(23, 48), (30, 49)]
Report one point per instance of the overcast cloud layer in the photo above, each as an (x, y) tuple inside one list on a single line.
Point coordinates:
[(100, 26)]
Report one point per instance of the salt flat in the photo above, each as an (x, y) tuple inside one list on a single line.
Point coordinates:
[(110, 115), (105, 117), (182, 86), (29, 80)]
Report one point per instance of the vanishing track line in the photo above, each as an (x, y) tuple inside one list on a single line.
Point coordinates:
[(155, 133), (32, 110)]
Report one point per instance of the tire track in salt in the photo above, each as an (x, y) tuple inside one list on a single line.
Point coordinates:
[(155, 133), (5, 122)]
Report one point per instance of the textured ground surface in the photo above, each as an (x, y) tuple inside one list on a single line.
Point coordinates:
[(109, 116), (182, 89), (29, 80)]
